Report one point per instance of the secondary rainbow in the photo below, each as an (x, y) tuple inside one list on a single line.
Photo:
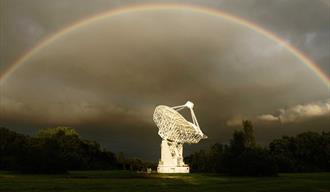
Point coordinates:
[(152, 7)]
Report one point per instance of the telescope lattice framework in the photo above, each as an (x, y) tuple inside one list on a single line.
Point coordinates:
[(175, 130), (173, 126)]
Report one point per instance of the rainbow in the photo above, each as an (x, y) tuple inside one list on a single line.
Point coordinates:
[(205, 10)]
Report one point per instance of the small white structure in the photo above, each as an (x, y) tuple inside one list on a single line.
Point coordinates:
[(175, 130)]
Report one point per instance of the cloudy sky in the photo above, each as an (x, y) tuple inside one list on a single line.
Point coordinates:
[(106, 77)]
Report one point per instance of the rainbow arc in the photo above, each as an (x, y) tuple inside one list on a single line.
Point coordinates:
[(153, 7)]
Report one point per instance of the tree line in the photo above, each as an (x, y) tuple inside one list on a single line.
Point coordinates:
[(57, 150), (306, 152)]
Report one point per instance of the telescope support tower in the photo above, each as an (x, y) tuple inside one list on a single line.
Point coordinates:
[(171, 158)]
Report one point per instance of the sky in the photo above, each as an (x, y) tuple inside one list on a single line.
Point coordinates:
[(106, 77)]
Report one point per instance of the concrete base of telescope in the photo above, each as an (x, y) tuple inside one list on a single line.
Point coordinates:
[(171, 158), (164, 169)]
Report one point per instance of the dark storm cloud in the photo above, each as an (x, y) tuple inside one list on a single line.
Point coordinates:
[(106, 78), (303, 23)]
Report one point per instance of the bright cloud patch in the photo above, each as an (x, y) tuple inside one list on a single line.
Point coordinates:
[(299, 112)]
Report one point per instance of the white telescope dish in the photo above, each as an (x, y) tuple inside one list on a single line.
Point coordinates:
[(175, 130), (173, 126)]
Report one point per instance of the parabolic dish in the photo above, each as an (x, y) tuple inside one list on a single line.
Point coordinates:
[(173, 126)]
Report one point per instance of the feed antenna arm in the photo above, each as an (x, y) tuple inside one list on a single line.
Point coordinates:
[(190, 105)]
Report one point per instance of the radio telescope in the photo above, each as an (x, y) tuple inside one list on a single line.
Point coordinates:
[(175, 130)]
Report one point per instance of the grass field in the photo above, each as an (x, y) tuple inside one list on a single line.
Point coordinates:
[(80, 181)]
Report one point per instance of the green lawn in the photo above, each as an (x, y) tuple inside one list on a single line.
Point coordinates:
[(80, 181)]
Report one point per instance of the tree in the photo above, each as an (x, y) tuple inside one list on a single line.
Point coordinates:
[(243, 139), (57, 131), (282, 151), (249, 137), (306, 152), (12, 148), (54, 150)]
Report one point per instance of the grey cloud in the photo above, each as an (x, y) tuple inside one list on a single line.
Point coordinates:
[(268, 117), (298, 113), (292, 20), (235, 121), (293, 114), (106, 78), (151, 59)]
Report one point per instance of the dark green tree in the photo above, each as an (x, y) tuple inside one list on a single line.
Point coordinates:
[(54, 150), (306, 152)]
